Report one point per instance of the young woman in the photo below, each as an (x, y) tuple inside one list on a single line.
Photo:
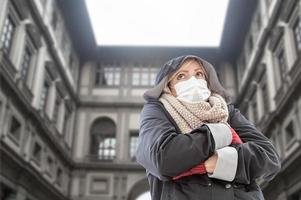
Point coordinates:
[(194, 144)]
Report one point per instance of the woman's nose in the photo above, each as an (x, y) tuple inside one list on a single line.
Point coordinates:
[(194, 74)]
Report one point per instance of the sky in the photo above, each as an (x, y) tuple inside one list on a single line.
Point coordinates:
[(189, 23)]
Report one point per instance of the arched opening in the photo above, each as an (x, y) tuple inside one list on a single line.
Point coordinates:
[(140, 191), (144, 196), (103, 139)]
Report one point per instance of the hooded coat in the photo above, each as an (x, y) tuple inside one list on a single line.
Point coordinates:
[(164, 152)]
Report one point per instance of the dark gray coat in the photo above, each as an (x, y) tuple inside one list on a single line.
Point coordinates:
[(164, 152)]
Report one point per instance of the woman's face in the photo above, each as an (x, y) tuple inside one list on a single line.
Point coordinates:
[(189, 68)]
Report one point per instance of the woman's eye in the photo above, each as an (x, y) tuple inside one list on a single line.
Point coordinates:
[(200, 74), (181, 76)]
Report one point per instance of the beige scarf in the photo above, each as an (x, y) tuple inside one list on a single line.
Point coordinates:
[(189, 116)]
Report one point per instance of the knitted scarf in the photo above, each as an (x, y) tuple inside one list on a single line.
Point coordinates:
[(189, 116)]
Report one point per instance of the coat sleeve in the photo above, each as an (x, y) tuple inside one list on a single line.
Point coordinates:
[(257, 156), (165, 153)]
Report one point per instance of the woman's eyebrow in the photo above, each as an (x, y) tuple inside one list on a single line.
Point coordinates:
[(182, 71), (196, 69)]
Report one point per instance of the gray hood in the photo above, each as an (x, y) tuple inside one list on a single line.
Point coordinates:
[(172, 66)]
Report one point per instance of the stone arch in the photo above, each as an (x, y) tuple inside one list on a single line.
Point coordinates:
[(103, 139), (138, 188)]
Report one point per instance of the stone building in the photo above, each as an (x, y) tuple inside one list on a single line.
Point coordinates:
[(268, 71), (69, 110)]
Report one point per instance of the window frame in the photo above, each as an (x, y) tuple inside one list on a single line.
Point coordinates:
[(31, 67), (280, 71), (290, 146), (111, 148), (151, 73), (47, 79), (12, 13), (98, 138), (65, 130), (133, 133), (265, 98), (37, 162), (50, 169), (17, 141), (100, 75), (56, 110), (293, 19), (59, 180), (290, 142)]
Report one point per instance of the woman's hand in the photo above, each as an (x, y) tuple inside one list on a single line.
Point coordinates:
[(210, 163)]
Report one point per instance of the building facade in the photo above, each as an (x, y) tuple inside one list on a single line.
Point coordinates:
[(269, 91), (39, 74), (69, 123)]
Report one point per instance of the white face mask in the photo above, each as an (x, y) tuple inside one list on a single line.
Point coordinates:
[(192, 90)]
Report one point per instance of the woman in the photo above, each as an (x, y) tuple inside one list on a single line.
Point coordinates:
[(188, 143)]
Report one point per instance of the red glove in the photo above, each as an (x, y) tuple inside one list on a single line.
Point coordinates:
[(200, 169), (235, 137)]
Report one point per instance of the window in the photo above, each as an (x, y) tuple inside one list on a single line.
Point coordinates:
[(7, 193), (264, 92), (143, 76), (135, 76), (281, 66), (265, 96), (37, 152), (44, 95), (50, 165), (297, 34), (26, 63), (282, 63), (107, 148), (66, 121), (57, 104), (103, 139), (15, 129), (107, 76), (153, 74), (133, 144), (7, 34), (289, 133), (59, 176)]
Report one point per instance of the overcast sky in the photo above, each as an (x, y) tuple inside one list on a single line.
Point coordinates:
[(157, 23)]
